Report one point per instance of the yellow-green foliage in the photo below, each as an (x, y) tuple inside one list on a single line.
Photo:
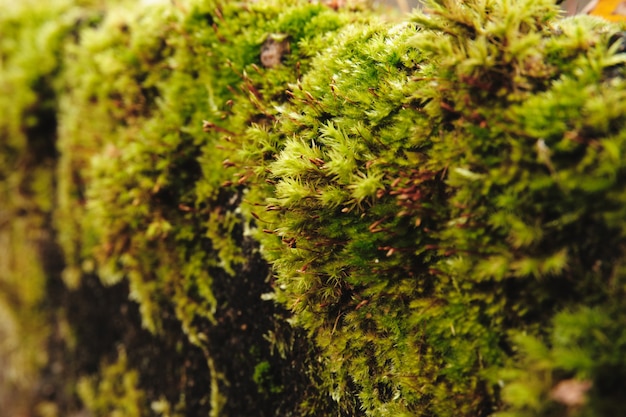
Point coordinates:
[(142, 87), (30, 49), (143, 131), (115, 392), (440, 200), (440, 184)]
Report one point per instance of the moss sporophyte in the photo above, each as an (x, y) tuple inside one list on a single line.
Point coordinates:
[(311, 208)]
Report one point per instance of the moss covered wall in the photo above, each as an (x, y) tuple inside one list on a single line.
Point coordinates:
[(278, 208)]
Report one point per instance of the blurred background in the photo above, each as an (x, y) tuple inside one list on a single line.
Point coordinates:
[(571, 7)]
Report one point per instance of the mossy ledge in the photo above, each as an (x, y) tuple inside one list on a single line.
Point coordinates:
[(292, 208)]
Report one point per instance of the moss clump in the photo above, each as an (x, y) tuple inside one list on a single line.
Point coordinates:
[(153, 96), (31, 39), (435, 190), (116, 392), (438, 203)]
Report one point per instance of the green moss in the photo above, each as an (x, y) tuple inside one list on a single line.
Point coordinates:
[(416, 209), (115, 392), (263, 378), (574, 369), (141, 175), (439, 200), (31, 40)]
